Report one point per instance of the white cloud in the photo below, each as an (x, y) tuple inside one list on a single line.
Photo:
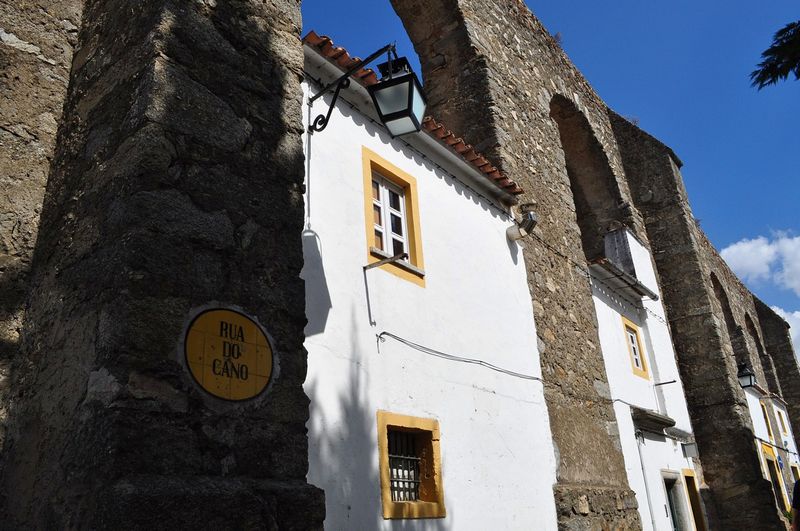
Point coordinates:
[(775, 259), (793, 318), (751, 259), (789, 274)]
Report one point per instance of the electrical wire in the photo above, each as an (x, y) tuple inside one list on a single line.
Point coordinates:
[(770, 443), (491, 202), (585, 271), (426, 350), (581, 267)]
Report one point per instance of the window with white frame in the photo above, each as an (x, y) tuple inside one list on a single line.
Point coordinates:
[(633, 344), (392, 218), (389, 216), (635, 350)]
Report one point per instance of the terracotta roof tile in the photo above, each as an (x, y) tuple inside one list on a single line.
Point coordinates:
[(366, 76)]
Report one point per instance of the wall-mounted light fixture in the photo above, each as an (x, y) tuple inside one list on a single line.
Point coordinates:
[(398, 96), (524, 226), (746, 376)]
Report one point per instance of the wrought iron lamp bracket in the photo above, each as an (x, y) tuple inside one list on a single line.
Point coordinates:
[(321, 121)]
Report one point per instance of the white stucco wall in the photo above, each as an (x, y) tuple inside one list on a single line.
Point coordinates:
[(785, 439), (660, 455), (757, 417), (498, 459), (754, 399)]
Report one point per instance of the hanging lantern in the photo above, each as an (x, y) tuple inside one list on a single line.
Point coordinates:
[(398, 97)]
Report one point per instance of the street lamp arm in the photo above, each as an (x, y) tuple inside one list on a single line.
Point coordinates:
[(321, 121)]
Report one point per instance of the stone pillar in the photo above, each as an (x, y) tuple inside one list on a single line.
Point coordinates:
[(36, 40), (176, 185), (491, 73), (778, 346), (717, 405)]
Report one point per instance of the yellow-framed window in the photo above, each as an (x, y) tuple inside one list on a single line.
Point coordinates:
[(410, 466), (693, 494), (635, 350), (775, 477), (766, 421), (782, 422), (391, 215)]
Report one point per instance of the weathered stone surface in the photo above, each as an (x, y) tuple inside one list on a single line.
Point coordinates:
[(716, 324), (177, 183), (180, 140), (36, 40), (149, 502), (494, 74), (778, 345)]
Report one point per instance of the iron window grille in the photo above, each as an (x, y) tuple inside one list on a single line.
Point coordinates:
[(410, 466), (404, 465)]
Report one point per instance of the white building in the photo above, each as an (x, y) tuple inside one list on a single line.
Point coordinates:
[(645, 386), (775, 442), (423, 369)]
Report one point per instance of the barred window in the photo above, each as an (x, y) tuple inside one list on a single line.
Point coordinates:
[(410, 465), (403, 465)]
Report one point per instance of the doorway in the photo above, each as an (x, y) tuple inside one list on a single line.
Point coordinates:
[(693, 491), (775, 477), (676, 505)]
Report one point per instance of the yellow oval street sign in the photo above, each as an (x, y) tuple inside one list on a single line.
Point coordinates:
[(228, 354)]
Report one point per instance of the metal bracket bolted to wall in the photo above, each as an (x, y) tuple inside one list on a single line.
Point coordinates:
[(390, 260), (321, 121)]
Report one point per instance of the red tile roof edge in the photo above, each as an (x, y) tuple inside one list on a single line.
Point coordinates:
[(366, 76)]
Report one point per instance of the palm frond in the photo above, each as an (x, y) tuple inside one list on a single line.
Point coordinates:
[(781, 59)]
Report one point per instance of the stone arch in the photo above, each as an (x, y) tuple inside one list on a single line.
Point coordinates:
[(735, 332), (767, 367), (598, 200), (454, 71)]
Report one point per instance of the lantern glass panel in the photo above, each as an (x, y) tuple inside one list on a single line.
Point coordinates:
[(418, 104), (392, 99), (401, 126)]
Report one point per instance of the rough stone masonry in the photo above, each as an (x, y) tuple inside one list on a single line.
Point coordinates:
[(36, 41), (493, 72), (716, 325), (176, 183)]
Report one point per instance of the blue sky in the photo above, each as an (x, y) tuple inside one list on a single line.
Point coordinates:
[(681, 69)]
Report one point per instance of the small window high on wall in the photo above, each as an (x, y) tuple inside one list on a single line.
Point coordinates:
[(635, 350), (410, 467), (389, 216), (391, 213)]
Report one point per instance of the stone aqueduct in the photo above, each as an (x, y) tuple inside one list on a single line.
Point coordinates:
[(111, 127)]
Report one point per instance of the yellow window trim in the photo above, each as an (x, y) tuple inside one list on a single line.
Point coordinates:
[(769, 455), (766, 419), (373, 162), (696, 518), (627, 323), (795, 471), (411, 509), (782, 421)]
